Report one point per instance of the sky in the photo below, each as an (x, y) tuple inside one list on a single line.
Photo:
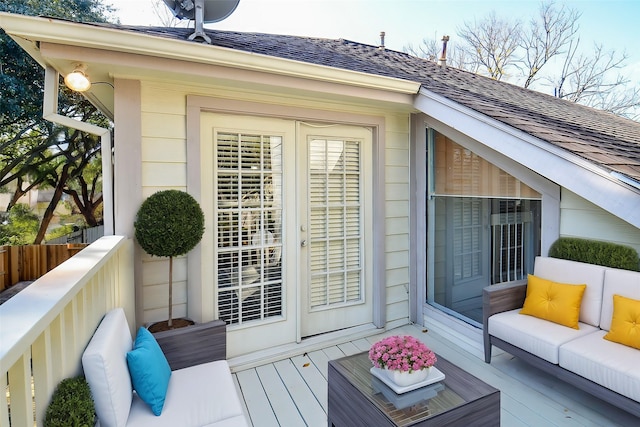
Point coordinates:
[(612, 23)]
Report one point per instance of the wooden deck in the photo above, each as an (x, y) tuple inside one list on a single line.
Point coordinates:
[(293, 391)]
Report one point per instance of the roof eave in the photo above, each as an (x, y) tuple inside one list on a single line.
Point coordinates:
[(38, 29)]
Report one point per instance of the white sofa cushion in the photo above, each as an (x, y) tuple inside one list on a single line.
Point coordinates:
[(199, 395), (237, 421), (536, 336), (612, 365), (105, 367), (621, 282), (572, 272)]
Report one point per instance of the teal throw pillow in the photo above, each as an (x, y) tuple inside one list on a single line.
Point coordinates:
[(149, 369)]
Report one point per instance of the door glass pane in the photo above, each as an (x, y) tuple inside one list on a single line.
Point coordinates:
[(335, 222), (248, 183)]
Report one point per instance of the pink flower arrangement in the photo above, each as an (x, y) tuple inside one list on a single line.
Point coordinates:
[(401, 353)]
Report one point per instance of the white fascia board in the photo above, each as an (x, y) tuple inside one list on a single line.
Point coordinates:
[(86, 35), (578, 175)]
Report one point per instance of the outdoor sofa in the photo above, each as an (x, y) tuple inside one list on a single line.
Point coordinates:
[(581, 357), (203, 394)]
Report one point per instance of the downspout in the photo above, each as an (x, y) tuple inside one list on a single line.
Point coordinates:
[(50, 113)]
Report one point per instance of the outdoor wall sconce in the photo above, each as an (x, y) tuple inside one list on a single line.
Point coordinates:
[(78, 80)]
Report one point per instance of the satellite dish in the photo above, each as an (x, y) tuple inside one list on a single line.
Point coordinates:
[(202, 11)]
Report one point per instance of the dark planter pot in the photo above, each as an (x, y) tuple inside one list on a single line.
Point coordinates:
[(195, 344), (181, 322)]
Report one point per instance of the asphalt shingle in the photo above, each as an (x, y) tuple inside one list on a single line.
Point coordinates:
[(597, 136)]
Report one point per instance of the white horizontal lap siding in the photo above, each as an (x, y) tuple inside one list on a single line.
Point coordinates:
[(581, 218), (397, 242), (164, 166), (156, 289)]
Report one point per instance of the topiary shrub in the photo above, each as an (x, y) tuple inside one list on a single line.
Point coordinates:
[(71, 405), (169, 223), (596, 252)]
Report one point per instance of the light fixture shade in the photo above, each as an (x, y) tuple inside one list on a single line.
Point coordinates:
[(77, 80)]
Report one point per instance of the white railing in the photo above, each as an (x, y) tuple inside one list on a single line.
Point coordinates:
[(45, 328)]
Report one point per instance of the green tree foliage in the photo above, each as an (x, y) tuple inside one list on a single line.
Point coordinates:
[(169, 223), (71, 405), (20, 226), (37, 153)]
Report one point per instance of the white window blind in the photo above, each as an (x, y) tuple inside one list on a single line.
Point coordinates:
[(248, 183), (467, 238), (335, 238), (461, 172)]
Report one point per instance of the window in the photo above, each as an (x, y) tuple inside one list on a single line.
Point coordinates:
[(485, 227)]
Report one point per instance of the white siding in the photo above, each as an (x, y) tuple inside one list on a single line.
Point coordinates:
[(581, 218), (164, 165), (397, 218)]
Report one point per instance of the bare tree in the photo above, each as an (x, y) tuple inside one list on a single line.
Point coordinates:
[(530, 54), (491, 44), (431, 50), (165, 17), (589, 80), (547, 37), (428, 49)]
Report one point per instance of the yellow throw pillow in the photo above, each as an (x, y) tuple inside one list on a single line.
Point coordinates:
[(625, 323), (555, 302)]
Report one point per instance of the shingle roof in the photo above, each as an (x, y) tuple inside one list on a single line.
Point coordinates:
[(597, 136)]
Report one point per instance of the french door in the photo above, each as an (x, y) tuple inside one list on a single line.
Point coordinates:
[(334, 223), (288, 222), (252, 201)]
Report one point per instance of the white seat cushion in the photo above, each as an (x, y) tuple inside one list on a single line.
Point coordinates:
[(238, 421), (536, 336), (612, 365), (564, 271), (200, 395), (105, 367), (621, 282)]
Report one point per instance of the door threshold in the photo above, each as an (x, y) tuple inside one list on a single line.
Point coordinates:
[(316, 342)]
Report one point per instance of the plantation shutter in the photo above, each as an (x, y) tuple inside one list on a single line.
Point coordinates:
[(468, 239), (335, 220), (248, 182)]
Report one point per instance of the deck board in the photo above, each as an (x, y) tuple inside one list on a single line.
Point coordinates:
[(313, 377), (293, 391), (321, 360), (349, 348), (308, 405), (277, 392), (255, 399)]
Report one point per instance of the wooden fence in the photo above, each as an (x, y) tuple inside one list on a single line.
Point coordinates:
[(19, 263)]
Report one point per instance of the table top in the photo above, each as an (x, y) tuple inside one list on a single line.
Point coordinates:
[(457, 389)]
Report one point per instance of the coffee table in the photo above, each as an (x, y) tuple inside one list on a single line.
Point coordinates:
[(356, 398)]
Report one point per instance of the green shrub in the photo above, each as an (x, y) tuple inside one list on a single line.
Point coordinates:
[(595, 252), (169, 223), (71, 405)]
